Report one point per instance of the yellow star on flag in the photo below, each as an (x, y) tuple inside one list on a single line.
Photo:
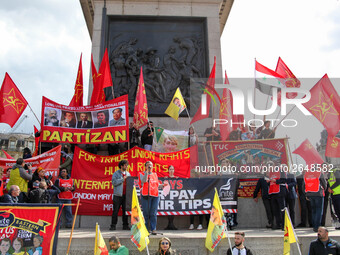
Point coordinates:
[(324, 107), (9, 99)]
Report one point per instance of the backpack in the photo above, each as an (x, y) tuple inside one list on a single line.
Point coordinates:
[(39, 196)]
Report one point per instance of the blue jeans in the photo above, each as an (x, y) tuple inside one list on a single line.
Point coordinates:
[(317, 209), (67, 210), (150, 207), (148, 147)]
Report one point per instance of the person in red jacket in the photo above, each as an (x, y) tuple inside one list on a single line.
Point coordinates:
[(149, 184), (66, 186)]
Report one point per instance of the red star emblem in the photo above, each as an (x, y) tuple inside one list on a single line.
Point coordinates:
[(324, 107), (10, 99)]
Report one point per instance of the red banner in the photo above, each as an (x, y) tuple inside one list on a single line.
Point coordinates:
[(49, 161), (30, 228), (250, 153), (92, 174), (247, 187), (95, 124)]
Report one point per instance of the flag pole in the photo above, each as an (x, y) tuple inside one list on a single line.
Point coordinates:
[(297, 240), (227, 232), (34, 114), (280, 122), (254, 87), (146, 244), (290, 152), (74, 221)]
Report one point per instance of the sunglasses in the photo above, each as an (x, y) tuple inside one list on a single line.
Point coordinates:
[(165, 243)]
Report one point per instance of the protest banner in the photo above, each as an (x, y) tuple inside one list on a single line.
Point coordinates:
[(192, 195), (92, 124), (165, 140), (92, 174), (34, 225), (248, 156), (49, 161)]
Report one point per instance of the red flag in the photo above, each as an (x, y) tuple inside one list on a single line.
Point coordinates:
[(307, 151), (325, 105), (36, 143), (226, 111), (333, 147), (77, 99), (104, 74), (12, 103), (194, 160), (101, 80), (7, 155), (140, 117), (209, 89), (290, 80)]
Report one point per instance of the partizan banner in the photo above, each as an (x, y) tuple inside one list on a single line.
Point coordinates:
[(95, 124), (92, 174), (29, 228), (192, 196), (49, 161)]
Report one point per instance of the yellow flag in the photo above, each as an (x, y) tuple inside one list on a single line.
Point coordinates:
[(176, 106), (99, 244), (289, 236), (139, 233), (217, 225)]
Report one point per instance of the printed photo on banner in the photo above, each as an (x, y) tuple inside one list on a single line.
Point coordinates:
[(68, 119), (84, 120), (116, 116), (101, 118), (91, 124), (52, 117), (167, 141)]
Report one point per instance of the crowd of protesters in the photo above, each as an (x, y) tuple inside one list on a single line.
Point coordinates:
[(19, 184)]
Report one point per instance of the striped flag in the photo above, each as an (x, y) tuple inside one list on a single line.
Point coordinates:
[(267, 79)]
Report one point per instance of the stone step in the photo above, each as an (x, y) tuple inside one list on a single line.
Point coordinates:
[(191, 242)]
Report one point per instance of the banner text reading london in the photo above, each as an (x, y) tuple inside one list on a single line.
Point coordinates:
[(103, 123), (92, 174)]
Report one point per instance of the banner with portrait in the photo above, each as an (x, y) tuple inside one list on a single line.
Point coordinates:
[(92, 174), (29, 228), (166, 141), (92, 124), (191, 196), (247, 157), (49, 161)]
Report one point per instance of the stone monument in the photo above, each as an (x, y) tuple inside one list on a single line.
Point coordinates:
[(173, 40)]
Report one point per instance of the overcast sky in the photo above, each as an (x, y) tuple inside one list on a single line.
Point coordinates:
[(42, 42)]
